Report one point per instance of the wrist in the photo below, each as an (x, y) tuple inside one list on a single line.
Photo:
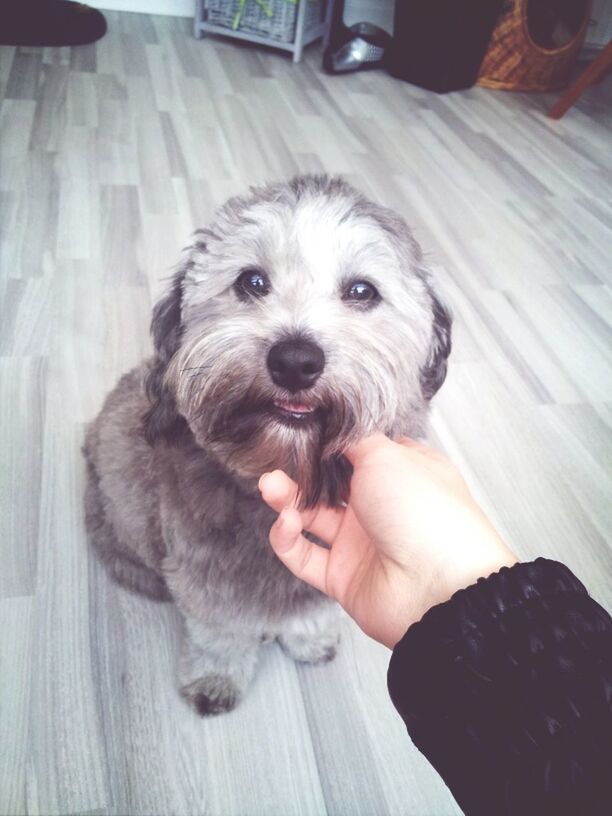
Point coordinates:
[(464, 575), (455, 575), (477, 551)]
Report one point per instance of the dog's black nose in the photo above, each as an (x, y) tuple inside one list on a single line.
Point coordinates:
[(295, 364)]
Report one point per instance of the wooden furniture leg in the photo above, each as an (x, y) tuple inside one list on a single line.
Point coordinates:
[(592, 73)]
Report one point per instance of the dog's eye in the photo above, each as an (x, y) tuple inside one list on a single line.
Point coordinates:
[(251, 283), (361, 292)]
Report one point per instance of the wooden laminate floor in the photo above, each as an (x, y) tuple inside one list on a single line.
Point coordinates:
[(111, 154)]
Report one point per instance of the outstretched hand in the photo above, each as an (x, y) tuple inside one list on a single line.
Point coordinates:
[(410, 536)]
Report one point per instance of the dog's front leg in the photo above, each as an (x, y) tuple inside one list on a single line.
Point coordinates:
[(216, 666)]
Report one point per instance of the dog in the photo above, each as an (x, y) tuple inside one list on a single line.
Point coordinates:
[(301, 321)]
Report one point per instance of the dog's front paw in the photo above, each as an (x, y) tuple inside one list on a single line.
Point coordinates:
[(212, 694), (310, 650), (313, 637)]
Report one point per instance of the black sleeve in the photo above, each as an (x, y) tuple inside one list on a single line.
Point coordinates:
[(507, 690)]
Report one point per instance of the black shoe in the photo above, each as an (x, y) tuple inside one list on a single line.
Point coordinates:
[(49, 22)]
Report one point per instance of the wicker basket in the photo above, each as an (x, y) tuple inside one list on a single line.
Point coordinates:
[(515, 62), (279, 25)]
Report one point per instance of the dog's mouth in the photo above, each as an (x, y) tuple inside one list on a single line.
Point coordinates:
[(255, 414), (294, 412)]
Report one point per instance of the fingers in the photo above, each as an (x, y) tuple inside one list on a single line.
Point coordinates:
[(422, 448), (366, 446), (279, 491), (304, 559), (380, 444), (407, 442)]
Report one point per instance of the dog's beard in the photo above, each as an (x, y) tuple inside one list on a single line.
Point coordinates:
[(250, 435)]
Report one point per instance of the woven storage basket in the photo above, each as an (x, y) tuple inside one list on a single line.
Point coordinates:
[(515, 62), (280, 25)]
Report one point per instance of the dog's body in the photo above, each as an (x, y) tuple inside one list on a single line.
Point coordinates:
[(300, 322)]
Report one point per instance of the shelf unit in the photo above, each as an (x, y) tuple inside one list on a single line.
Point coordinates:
[(304, 35)]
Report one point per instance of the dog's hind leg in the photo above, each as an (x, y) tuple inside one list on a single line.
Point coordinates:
[(216, 667), (125, 568)]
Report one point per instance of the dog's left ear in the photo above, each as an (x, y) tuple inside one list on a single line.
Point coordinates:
[(162, 420), (433, 373)]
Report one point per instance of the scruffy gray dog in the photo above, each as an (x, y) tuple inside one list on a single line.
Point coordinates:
[(301, 321)]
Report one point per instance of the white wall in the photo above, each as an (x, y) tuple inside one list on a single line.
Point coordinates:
[(177, 8), (600, 30), (379, 12), (374, 11)]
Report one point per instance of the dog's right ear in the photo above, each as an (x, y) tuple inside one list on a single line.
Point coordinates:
[(434, 373), (162, 420)]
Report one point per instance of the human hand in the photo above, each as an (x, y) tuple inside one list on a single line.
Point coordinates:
[(410, 536)]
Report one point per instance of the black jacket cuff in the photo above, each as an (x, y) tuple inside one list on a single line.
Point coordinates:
[(506, 689)]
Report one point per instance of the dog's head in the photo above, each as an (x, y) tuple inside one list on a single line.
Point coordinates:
[(300, 322)]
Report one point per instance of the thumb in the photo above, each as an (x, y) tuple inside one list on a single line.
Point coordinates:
[(369, 444), (304, 559)]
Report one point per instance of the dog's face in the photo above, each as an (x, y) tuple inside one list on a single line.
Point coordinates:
[(299, 323)]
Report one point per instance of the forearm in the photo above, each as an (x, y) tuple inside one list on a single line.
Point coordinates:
[(506, 688)]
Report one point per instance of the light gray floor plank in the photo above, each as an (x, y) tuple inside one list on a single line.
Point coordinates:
[(15, 679), (66, 752), (22, 409), (109, 156)]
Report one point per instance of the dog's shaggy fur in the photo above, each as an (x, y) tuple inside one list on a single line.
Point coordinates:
[(173, 458)]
